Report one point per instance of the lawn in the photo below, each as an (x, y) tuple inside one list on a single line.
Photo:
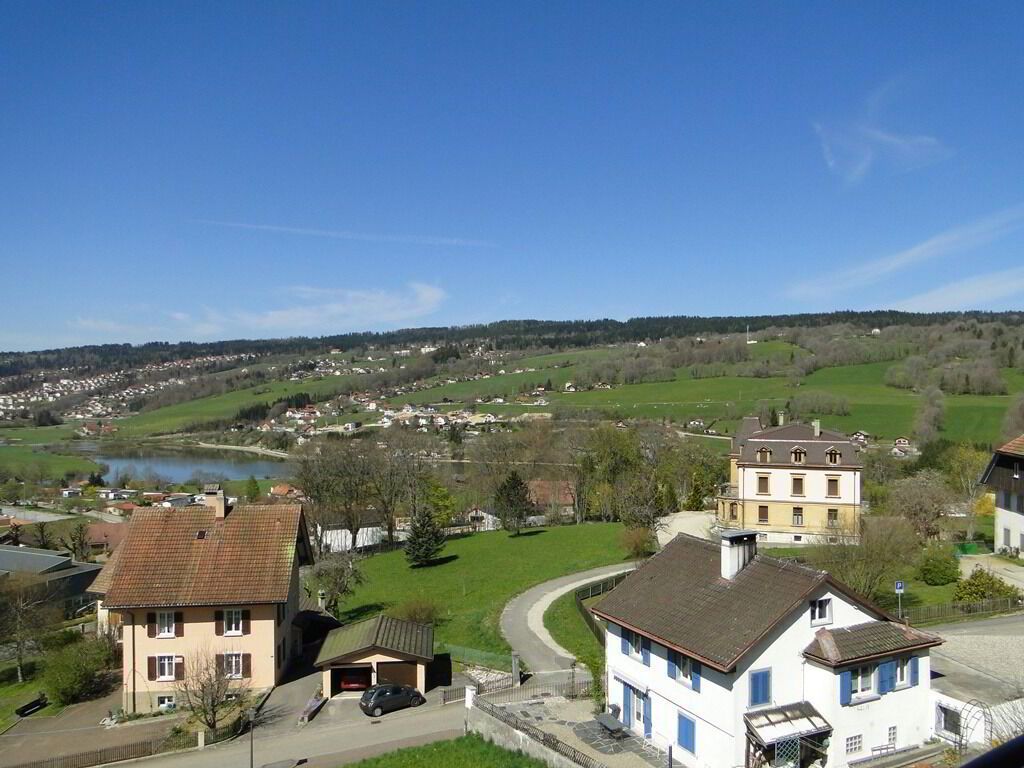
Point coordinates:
[(21, 459), (477, 575), (13, 694), (466, 752), (499, 385), (569, 357), (174, 418), (563, 620), (37, 435)]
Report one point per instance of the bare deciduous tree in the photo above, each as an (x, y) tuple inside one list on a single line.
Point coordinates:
[(922, 499), (337, 574), (208, 689), (28, 608), (886, 545), (335, 479)]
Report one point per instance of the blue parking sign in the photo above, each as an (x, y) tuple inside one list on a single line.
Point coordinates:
[(899, 587)]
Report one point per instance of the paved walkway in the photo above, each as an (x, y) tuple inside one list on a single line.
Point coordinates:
[(694, 523), (522, 621)]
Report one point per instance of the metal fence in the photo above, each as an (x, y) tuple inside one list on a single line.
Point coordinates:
[(932, 614), (549, 740), (570, 689), (458, 692), (130, 751), (593, 590)]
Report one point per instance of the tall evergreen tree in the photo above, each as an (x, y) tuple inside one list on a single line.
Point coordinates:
[(426, 539), (252, 489), (512, 502)]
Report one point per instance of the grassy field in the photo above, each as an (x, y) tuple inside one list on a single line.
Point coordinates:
[(466, 752), (37, 435), (13, 694), (25, 459), (478, 574), (173, 418), (571, 357), (563, 620), (883, 411)]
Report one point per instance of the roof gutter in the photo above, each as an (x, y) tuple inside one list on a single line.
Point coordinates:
[(873, 656)]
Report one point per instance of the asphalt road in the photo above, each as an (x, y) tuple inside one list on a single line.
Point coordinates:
[(522, 621), (325, 744)]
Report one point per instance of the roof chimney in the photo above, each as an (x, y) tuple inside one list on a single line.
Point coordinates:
[(738, 549), (817, 427), (214, 497)]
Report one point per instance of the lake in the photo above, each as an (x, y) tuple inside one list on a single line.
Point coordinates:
[(178, 467)]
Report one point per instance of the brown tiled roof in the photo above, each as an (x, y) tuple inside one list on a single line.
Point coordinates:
[(1014, 448), (110, 534), (188, 556), (680, 599), (865, 641), (545, 493), (101, 583)]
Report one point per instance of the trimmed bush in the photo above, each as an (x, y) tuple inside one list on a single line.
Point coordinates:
[(422, 610), (74, 672), (938, 565), (982, 585)]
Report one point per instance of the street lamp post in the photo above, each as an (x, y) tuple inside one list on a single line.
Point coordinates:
[(252, 729)]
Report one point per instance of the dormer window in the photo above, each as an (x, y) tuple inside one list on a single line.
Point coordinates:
[(833, 456), (764, 455), (798, 455)]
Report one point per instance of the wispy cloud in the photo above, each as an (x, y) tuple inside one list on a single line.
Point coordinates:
[(311, 310), (977, 292), (344, 234), (852, 148), (956, 240), (346, 308)]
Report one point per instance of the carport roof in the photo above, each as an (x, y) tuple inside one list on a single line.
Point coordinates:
[(383, 633)]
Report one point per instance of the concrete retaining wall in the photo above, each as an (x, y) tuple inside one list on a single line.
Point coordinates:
[(506, 736)]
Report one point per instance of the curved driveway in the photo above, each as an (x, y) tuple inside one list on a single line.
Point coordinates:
[(522, 621)]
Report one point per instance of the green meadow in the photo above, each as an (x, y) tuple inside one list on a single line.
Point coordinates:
[(174, 418)]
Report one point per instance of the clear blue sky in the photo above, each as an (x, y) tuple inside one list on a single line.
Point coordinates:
[(218, 170)]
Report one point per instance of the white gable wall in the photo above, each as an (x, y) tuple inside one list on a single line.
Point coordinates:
[(719, 707)]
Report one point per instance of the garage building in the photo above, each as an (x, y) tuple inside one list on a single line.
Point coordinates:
[(378, 650)]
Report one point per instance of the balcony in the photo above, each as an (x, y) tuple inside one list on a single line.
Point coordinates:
[(726, 491)]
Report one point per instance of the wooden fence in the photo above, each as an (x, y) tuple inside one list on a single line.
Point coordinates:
[(593, 590)]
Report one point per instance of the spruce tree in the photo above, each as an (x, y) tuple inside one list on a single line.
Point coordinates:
[(512, 502), (426, 539), (252, 489)]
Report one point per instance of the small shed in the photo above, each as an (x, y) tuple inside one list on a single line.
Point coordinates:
[(378, 650)]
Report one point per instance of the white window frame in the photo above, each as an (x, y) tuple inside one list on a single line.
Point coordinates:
[(165, 659), (819, 618), (233, 666), (854, 744), (798, 514), (165, 619), (829, 521), (684, 669), (858, 676), (902, 671), (892, 735), (229, 614), (168, 701)]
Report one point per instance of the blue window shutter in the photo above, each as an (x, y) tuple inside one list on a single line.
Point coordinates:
[(845, 688), (913, 670), (695, 675), (645, 651), (627, 705), (625, 640), (886, 677), (760, 687), (673, 663), (687, 736), (648, 727)]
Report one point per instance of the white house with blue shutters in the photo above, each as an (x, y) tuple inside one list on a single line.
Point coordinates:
[(738, 659)]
